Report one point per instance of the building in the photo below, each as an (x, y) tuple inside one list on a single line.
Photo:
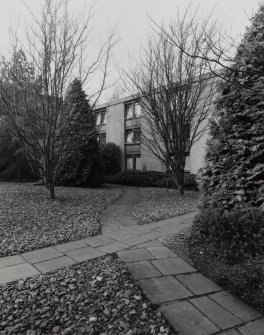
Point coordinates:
[(120, 122)]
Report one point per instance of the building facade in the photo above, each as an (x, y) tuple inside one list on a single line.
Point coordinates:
[(120, 121)]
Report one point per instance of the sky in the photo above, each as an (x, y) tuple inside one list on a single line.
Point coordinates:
[(130, 21)]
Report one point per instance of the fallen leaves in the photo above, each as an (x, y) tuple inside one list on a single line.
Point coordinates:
[(73, 301), (158, 204), (29, 220)]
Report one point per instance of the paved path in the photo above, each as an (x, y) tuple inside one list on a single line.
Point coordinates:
[(192, 303)]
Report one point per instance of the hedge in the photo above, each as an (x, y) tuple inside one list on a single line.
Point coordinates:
[(151, 179)]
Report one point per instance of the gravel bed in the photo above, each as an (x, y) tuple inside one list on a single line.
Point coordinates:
[(97, 297), (157, 204), (29, 220)]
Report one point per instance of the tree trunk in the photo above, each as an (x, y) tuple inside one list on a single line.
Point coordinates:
[(181, 182), (181, 188), (51, 190)]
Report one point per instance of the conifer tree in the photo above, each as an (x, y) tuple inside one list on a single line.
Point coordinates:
[(82, 164), (233, 174)]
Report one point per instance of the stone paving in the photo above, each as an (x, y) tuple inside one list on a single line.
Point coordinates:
[(192, 303)]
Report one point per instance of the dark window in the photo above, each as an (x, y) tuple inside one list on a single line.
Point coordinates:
[(137, 135), (103, 117), (101, 138)]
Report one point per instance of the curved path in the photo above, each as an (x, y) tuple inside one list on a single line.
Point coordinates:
[(192, 303)]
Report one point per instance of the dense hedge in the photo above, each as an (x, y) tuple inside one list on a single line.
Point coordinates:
[(234, 163), (150, 179), (234, 236)]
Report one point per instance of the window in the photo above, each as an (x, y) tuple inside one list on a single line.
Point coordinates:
[(133, 136), (132, 110), (133, 162), (129, 111), (129, 136), (101, 138), (101, 118), (138, 162), (137, 110), (137, 135), (129, 162), (98, 119)]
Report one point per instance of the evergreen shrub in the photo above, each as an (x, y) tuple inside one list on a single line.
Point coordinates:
[(235, 236), (111, 159)]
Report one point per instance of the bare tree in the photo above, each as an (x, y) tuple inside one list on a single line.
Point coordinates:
[(34, 85), (175, 93), (216, 47)]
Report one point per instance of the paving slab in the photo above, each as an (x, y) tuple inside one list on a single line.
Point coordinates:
[(134, 230), (172, 266), (153, 243), (163, 289), (11, 260), (235, 306), (142, 270), (171, 229), (198, 284), (161, 252), (97, 241), (54, 264), (134, 255), (188, 320), (70, 246), (137, 239), (214, 312), (253, 328), (84, 254), (16, 272), (229, 332), (113, 247), (41, 255)]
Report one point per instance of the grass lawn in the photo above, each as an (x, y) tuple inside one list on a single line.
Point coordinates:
[(29, 220), (94, 297), (157, 204)]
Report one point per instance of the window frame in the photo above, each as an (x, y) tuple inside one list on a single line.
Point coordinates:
[(99, 115), (132, 129), (99, 138), (133, 104), (133, 156)]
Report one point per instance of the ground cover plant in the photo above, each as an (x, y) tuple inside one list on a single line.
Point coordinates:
[(94, 297), (151, 179), (243, 279), (157, 204), (229, 247), (29, 220)]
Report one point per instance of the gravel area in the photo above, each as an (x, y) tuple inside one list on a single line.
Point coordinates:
[(29, 220), (96, 297), (157, 204)]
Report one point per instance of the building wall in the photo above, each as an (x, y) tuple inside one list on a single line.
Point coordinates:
[(115, 132), (115, 127)]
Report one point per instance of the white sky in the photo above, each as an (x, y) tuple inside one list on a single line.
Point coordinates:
[(130, 19)]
